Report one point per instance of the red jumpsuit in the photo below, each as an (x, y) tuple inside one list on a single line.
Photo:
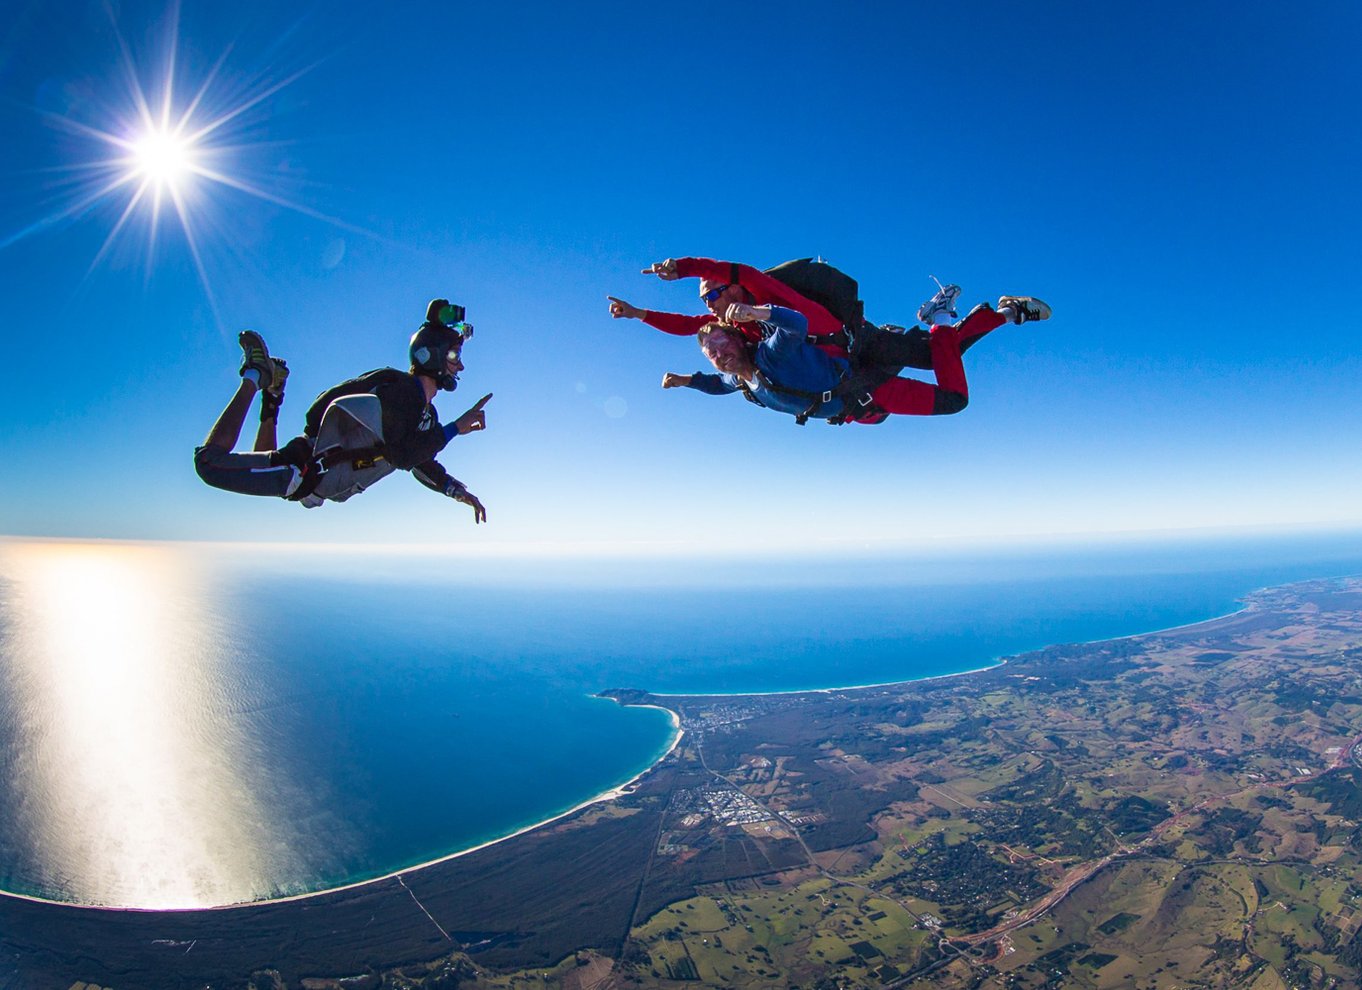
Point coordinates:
[(766, 290), (899, 395)]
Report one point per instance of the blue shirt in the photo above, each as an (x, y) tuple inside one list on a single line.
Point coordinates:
[(786, 360)]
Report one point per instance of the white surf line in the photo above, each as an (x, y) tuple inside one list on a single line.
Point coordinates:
[(446, 934)]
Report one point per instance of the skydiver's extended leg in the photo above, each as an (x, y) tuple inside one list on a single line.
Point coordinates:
[(264, 472), (267, 435), (909, 397), (259, 473), (911, 348), (227, 430), (979, 322)]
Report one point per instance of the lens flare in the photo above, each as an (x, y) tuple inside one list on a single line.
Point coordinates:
[(163, 158), (193, 144)]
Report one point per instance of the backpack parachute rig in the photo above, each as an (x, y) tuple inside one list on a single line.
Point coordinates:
[(348, 453)]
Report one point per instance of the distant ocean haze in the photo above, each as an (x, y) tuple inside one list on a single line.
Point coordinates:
[(178, 729)]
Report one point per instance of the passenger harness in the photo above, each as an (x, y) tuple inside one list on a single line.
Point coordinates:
[(839, 294)]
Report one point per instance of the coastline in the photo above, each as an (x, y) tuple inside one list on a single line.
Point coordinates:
[(618, 791), (991, 665), (610, 794)]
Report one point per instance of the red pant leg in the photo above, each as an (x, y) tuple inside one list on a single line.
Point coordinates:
[(909, 397), (978, 323)]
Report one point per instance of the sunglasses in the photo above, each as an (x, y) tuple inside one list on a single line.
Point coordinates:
[(715, 292)]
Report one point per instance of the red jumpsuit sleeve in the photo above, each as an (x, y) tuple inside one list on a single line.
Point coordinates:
[(765, 290), (675, 323)]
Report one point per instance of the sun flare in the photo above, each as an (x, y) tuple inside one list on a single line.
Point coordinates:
[(163, 158), (176, 146)]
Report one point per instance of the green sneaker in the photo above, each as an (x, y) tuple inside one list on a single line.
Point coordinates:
[(256, 357), (273, 397)]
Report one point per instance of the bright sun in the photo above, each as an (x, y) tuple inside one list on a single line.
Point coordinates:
[(162, 158), (168, 153)]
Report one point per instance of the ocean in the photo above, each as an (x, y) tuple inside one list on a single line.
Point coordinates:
[(185, 726)]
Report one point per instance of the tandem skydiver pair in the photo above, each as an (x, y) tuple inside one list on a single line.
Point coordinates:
[(794, 339)]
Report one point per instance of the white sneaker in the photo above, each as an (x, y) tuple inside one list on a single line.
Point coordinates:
[(1024, 309), (941, 307)]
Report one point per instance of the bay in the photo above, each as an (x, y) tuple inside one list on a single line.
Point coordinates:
[(180, 727)]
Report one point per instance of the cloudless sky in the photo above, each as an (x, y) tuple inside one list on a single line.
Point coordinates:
[(1179, 181)]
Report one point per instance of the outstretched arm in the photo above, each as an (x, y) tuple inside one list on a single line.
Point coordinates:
[(673, 323), (470, 422), (701, 382), (763, 288), (677, 324), (433, 475)]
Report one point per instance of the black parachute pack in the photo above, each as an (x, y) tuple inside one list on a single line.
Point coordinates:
[(831, 288), (840, 295)]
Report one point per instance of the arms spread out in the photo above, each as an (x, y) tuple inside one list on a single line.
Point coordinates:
[(763, 289)]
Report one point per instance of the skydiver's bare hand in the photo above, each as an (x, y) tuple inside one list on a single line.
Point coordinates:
[(620, 309), (743, 313), (672, 380), (475, 418), (468, 498), (665, 270)]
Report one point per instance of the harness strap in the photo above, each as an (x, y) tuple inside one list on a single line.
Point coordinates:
[(841, 338), (358, 457), (307, 484), (856, 386), (747, 393), (315, 466)]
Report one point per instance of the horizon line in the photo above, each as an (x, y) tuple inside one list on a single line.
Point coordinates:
[(688, 549)]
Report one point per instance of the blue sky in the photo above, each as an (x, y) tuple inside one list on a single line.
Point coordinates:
[(1179, 182)]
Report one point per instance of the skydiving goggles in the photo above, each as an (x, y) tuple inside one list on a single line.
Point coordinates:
[(716, 292), (454, 317)]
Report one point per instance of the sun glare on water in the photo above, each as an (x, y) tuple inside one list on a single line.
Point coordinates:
[(130, 782)]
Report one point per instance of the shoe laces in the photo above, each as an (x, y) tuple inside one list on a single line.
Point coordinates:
[(942, 292)]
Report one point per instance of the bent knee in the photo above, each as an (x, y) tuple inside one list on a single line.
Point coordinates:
[(208, 456), (210, 464), (948, 403)]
